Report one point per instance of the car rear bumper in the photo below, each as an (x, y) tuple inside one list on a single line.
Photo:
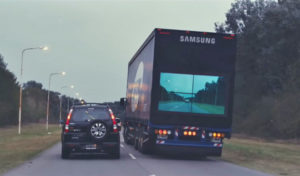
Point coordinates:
[(103, 147)]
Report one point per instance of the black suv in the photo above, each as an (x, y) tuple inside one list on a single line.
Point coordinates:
[(90, 128)]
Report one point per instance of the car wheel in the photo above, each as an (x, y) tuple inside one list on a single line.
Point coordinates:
[(98, 130), (65, 152)]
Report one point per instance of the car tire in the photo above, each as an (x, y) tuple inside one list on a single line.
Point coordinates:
[(95, 136), (65, 152)]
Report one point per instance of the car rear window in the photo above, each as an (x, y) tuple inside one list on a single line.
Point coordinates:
[(88, 114)]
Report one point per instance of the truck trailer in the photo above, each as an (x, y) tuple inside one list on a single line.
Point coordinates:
[(180, 92)]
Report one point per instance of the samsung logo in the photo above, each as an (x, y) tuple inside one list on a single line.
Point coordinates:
[(194, 39)]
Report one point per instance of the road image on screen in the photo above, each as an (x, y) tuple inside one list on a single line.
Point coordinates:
[(203, 94)]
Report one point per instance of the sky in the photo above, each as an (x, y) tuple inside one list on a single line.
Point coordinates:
[(92, 41)]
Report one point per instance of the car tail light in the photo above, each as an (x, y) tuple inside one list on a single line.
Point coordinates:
[(68, 121), (113, 118)]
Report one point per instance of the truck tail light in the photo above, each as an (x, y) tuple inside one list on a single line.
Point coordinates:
[(68, 121), (162, 132), (189, 133), (216, 135)]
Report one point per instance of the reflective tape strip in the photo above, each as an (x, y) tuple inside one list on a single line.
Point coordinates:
[(160, 142), (203, 134), (218, 145), (190, 128), (176, 133)]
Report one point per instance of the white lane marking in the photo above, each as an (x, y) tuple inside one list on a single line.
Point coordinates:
[(122, 145), (122, 138), (132, 156), (152, 175)]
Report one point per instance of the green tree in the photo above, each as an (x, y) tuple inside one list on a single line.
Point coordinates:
[(268, 61), (8, 96)]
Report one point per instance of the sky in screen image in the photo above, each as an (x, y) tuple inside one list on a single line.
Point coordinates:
[(184, 83), (92, 41)]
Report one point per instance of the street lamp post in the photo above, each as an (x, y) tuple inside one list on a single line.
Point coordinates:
[(60, 103), (21, 83), (48, 100)]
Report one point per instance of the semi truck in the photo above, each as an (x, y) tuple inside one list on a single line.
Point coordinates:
[(180, 92)]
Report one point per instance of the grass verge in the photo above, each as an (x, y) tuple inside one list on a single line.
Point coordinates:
[(16, 149), (270, 157)]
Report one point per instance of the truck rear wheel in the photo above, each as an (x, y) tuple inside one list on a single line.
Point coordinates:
[(136, 141), (143, 146), (127, 139)]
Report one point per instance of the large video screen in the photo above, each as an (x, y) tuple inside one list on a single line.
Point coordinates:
[(203, 94)]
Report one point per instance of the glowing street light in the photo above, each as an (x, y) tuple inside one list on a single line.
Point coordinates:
[(48, 100), (45, 48), (21, 83)]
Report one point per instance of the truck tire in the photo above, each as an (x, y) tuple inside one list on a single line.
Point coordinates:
[(136, 140), (143, 147), (127, 139)]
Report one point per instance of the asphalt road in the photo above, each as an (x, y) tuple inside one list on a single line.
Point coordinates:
[(132, 163), (179, 106)]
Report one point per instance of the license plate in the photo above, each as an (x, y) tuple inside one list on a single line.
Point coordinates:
[(91, 147)]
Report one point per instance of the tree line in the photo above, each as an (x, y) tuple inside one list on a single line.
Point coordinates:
[(34, 100), (267, 89)]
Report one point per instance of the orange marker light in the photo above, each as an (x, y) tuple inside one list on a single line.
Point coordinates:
[(156, 131), (190, 133), (219, 135), (194, 133), (160, 131), (185, 133), (165, 132), (214, 135)]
